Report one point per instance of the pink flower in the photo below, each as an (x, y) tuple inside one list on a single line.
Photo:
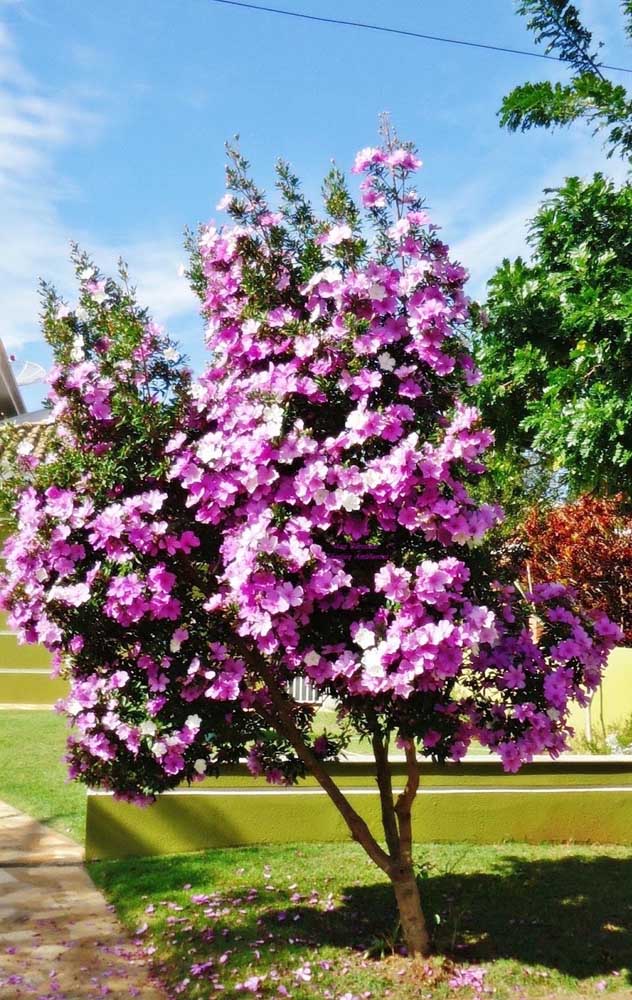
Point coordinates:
[(366, 158), (337, 235), (251, 985), (403, 159)]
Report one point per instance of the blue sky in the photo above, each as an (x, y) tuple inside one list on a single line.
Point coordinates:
[(113, 118)]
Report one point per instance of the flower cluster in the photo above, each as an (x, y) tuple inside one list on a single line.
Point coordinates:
[(304, 509)]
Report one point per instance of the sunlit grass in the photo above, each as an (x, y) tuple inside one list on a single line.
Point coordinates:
[(541, 921), (33, 776)]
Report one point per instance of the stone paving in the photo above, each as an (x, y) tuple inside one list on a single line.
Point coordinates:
[(58, 938)]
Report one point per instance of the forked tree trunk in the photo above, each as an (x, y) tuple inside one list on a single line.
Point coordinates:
[(396, 862), (411, 915), (398, 831)]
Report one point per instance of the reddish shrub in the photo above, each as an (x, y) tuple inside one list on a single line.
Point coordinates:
[(588, 545)]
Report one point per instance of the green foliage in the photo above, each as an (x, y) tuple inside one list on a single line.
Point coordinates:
[(614, 738), (597, 101), (556, 25), (626, 7), (556, 344), (589, 96), (148, 392)]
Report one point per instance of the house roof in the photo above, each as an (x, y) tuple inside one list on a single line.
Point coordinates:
[(37, 435), (11, 402), (29, 429)]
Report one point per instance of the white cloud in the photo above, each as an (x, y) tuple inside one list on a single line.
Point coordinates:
[(504, 233), (483, 250), (34, 127), (153, 270)]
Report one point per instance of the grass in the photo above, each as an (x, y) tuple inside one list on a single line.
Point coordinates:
[(33, 776), (541, 921), (538, 922), (615, 737), (325, 720)]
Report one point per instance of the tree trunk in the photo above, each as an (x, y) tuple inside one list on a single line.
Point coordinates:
[(396, 817), (411, 914)]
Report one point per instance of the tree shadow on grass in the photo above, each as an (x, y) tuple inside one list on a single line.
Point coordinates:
[(573, 915)]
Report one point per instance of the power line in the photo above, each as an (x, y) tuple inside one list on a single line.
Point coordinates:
[(401, 31)]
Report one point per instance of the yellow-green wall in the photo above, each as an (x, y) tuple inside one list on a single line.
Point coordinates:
[(614, 698), (581, 800), (25, 673)]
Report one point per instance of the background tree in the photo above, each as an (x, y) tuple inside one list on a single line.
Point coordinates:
[(590, 96), (554, 338), (556, 345), (305, 508)]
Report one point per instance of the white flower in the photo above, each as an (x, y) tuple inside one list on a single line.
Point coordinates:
[(170, 354), (377, 291), (312, 659), (364, 637), (147, 728), (274, 419), (24, 448), (349, 501), (251, 481), (208, 237), (87, 274), (200, 765), (372, 478), (338, 234), (372, 661), (386, 361), (82, 314), (193, 722), (356, 420), (208, 451), (330, 276), (77, 352)]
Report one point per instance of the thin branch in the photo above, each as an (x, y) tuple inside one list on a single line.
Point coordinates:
[(403, 806), (357, 826), (385, 786)]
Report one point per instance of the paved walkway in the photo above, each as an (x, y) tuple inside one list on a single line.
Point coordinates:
[(58, 938)]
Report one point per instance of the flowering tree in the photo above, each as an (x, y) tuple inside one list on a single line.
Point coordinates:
[(303, 509)]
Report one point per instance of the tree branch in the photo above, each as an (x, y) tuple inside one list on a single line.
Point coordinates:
[(404, 803), (385, 786), (357, 826)]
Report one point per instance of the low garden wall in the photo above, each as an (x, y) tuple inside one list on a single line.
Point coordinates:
[(25, 673), (586, 799)]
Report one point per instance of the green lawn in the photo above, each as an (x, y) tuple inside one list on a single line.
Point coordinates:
[(540, 921), (534, 922), (326, 720), (33, 776)]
